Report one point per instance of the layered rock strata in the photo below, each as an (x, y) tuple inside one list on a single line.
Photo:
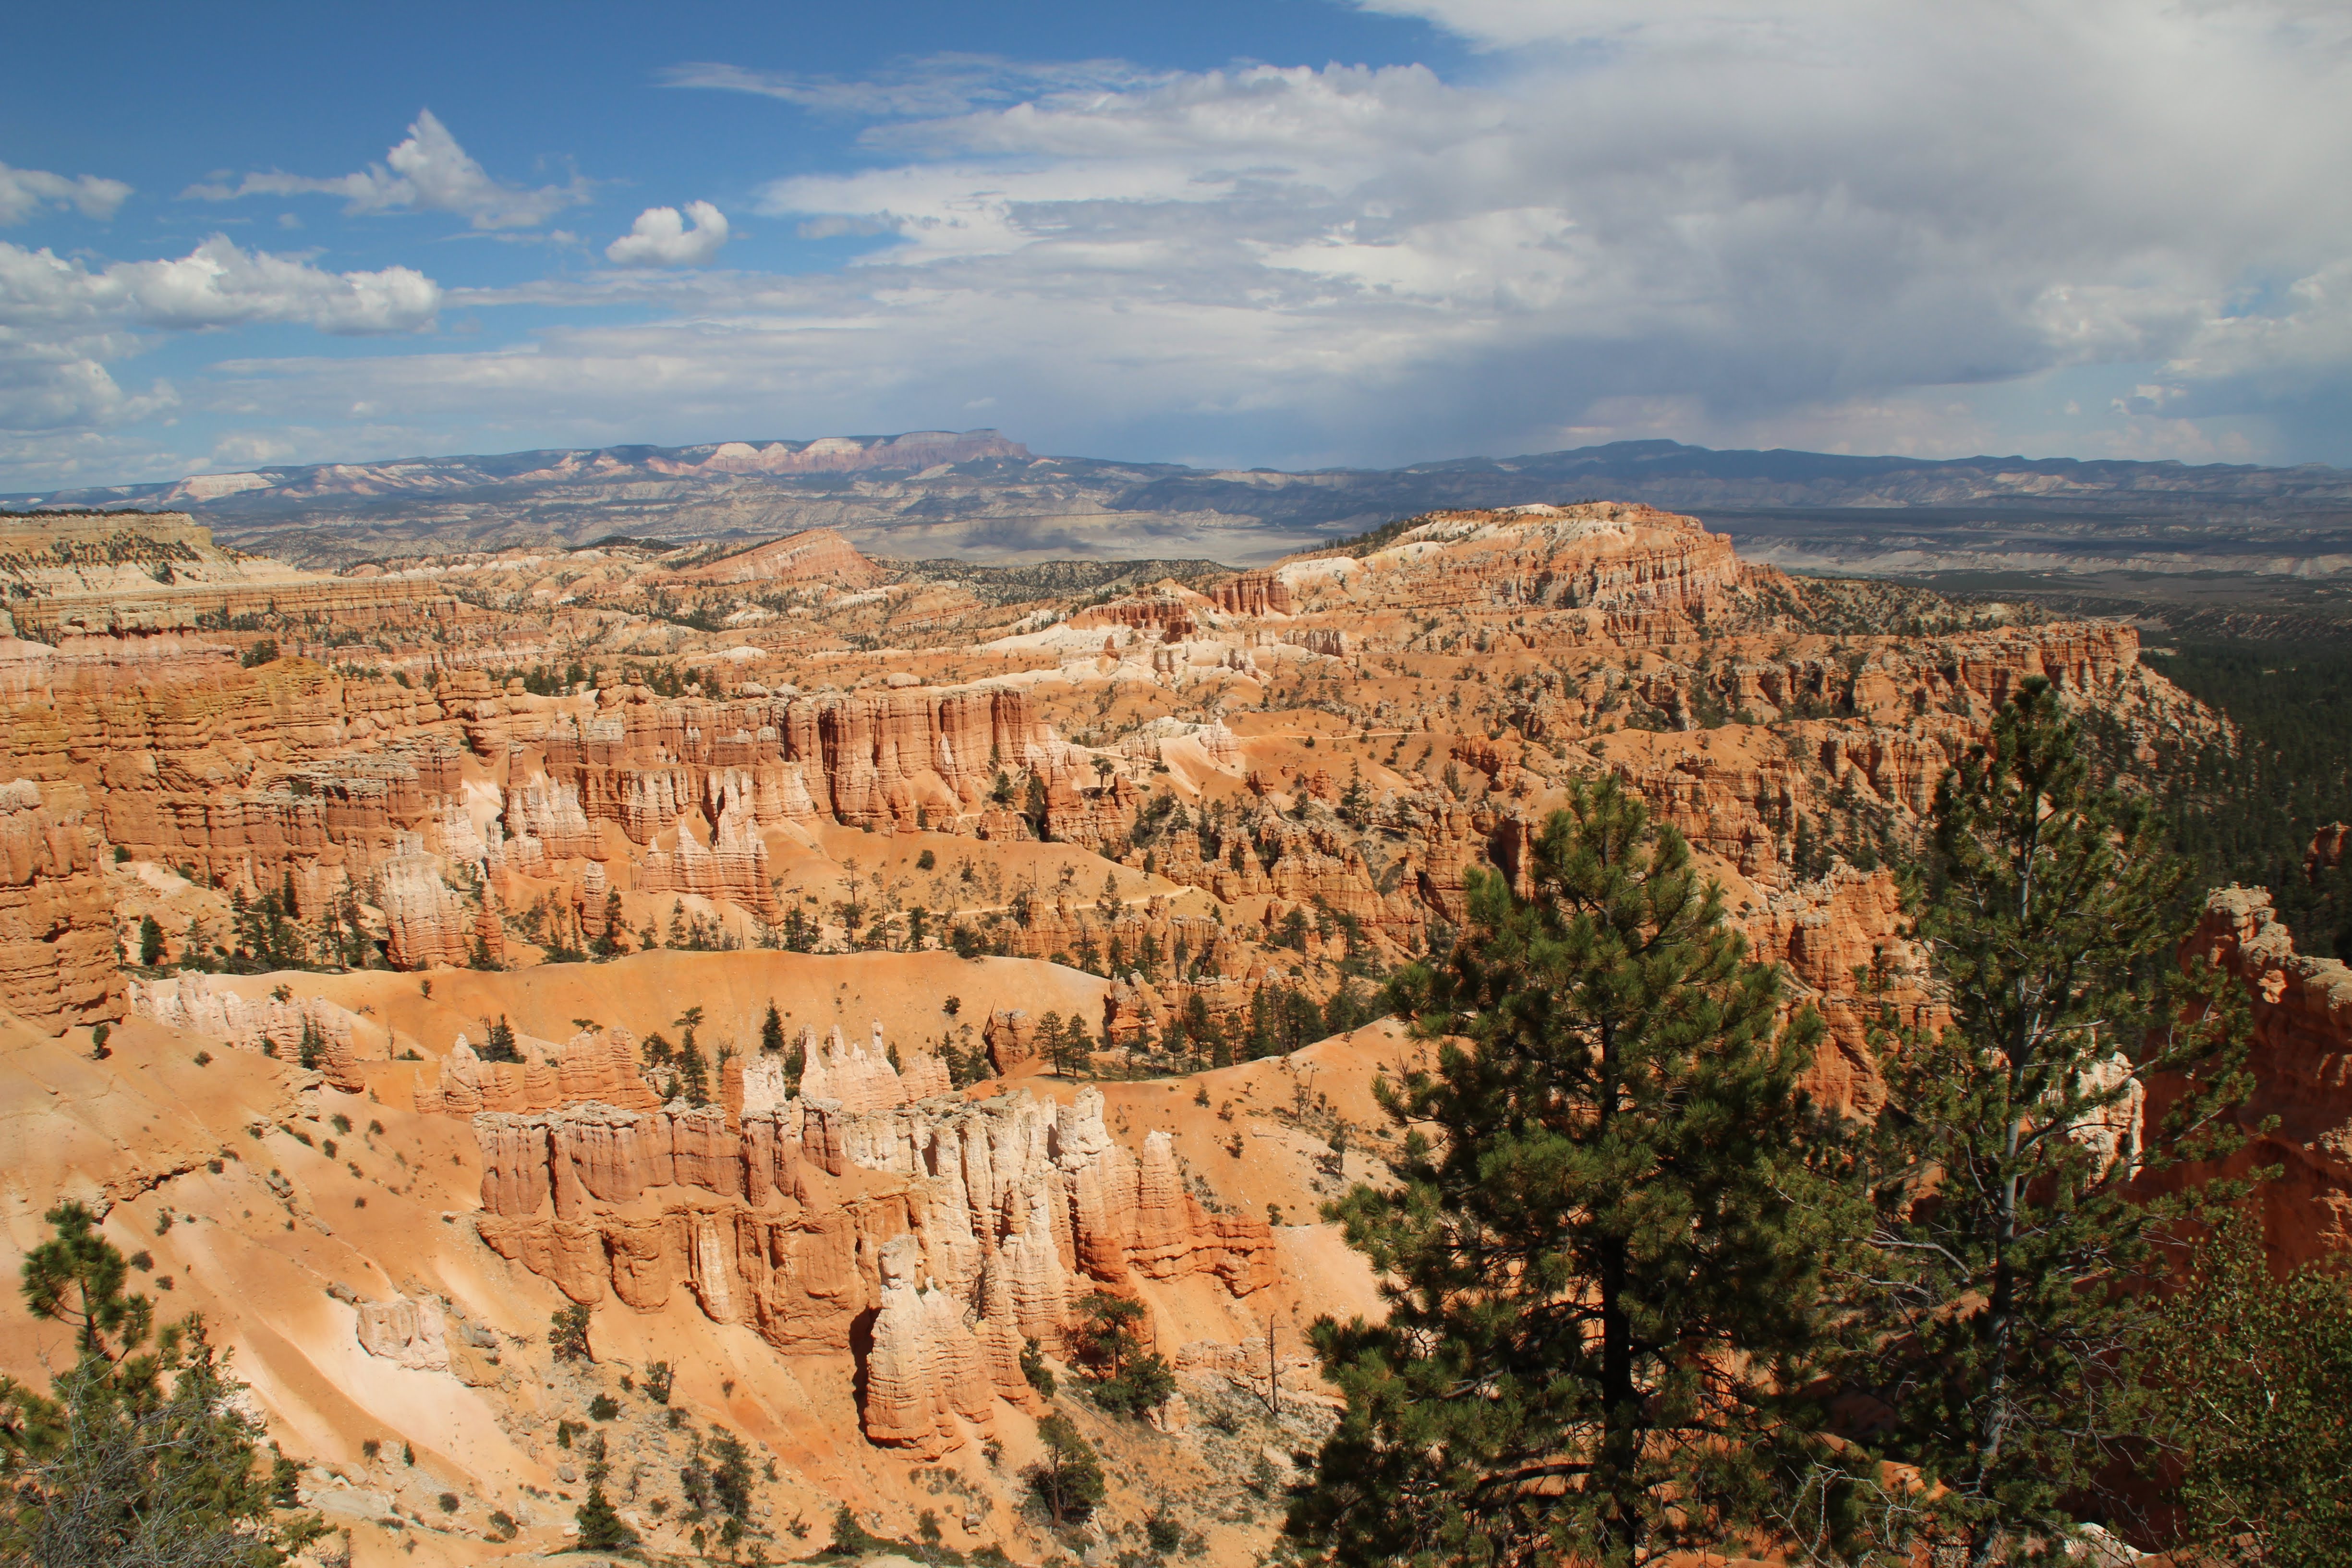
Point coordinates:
[(58, 961), (780, 1217), (2298, 1116)]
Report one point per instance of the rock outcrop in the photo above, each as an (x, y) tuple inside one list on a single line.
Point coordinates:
[(57, 965), (2301, 1064), (992, 1214), (290, 1028), (413, 1333), (599, 1065)]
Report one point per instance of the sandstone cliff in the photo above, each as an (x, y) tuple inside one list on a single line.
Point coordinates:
[(57, 926), (2301, 1062)]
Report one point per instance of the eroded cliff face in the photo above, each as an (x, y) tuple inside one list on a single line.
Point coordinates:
[(2300, 1063), (967, 1228), (57, 924)]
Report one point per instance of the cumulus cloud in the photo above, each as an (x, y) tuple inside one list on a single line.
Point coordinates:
[(660, 238), (1754, 207), (61, 323), (427, 171), (215, 285), (24, 192)]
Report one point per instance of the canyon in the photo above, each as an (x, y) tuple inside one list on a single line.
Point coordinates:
[(831, 974)]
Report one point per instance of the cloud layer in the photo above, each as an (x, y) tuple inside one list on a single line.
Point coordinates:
[(60, 323), (2098, 226), (1807, 222)]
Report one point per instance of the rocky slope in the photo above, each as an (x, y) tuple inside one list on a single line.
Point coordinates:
[(406, 892)]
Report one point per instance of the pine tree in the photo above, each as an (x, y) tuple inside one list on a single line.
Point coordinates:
[(771, 1029), (1602, 1280), (151, 942), (609, 940), (602, 1527), (1067, 1477), (693, 1072), (142, 1451), (498, 1042), (1994, 1288)]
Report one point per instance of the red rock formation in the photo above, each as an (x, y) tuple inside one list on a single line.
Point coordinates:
[(1170, 613), (1824, 931), (57, 923), (860, 759), (1011, 1036), (429, 924), (2301, 1062), (860, 1080), (926, 1367), (812, 556), (598, 1065), (1253, 593), (994, 1212), (2326, 851)]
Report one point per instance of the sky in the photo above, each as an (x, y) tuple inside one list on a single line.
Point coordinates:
[(1279, 233)]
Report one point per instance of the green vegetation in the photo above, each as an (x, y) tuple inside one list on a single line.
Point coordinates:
[(2252, 1373), (2247, 814), (1991, 1290), (1067, 1477), (142, 1451), (1124, 1377), (602, 1529), (1603, 1284), (498, 1042), (1635, 1285), (567, 1333)]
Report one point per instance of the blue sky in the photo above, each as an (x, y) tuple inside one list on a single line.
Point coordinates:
[(1288, 232)]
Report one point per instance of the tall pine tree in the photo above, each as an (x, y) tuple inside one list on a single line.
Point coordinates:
[(1600, 1278), (2006, 1174)]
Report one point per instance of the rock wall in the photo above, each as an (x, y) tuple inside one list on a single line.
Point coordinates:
[(2301, 1062), (967, 1229), (58, 958), (598, 1065)]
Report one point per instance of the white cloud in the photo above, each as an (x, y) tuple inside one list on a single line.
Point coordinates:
[(428, 172), (61, 323), (660, 238), (1839, 224), (215, 285), (24, 192)]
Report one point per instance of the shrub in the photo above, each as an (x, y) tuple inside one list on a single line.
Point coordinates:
[(604, 1408), (1164, 1533), (1033, 1368), (602, 1527), (567, 1333)]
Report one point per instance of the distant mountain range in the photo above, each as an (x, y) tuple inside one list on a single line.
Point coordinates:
[(976, 495)]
